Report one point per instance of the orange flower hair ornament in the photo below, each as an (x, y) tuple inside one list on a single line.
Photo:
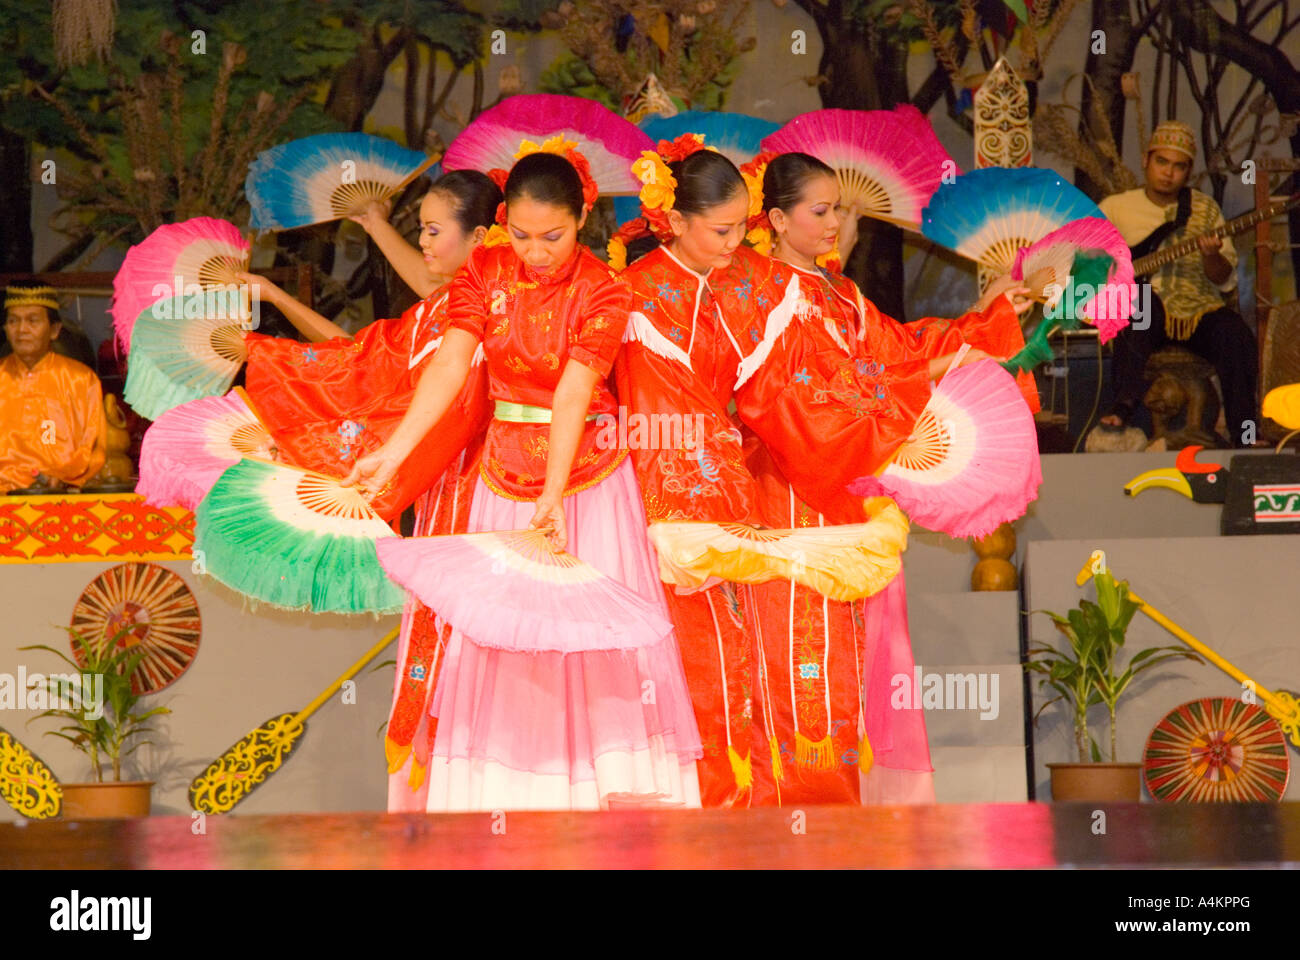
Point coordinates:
[(558, 146), (617, 247), (658, 185)]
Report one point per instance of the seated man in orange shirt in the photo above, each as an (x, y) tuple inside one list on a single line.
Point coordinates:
[(52, 426)]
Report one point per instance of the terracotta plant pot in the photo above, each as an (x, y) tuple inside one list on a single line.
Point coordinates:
[(1106, 782), (113, 800)]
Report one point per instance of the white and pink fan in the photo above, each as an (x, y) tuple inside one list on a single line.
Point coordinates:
[(1088, 260), (971, 462), (187, 449), (204, 251), (888, 162), (510, 590), (609, 142)]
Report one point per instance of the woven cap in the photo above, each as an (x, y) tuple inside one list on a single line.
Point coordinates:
[(1173, 135)]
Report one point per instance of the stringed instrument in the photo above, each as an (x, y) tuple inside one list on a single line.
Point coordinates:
[(1144, 265)]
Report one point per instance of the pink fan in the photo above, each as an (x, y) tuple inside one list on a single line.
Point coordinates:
[(971, 462), (609, 142), (888, 162), (1092, 268), (509, 590), (203, 251), (187, 448)]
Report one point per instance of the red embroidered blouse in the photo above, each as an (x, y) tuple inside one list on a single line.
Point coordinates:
[(530, 324)]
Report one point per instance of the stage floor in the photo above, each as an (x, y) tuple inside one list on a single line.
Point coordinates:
[(1018, 835)]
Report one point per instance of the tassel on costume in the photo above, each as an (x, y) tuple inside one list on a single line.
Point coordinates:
[(416, 779), (865, 757), (743, 769), (819, 755), (776, 759), (396, 754)]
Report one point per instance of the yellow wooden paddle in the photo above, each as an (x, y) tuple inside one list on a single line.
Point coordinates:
[(26, 783), (1282, 705), (246, 765)]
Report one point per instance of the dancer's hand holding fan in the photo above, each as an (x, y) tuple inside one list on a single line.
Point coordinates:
[(294, 538), (971, 462), (1089, 265), (326, 177)]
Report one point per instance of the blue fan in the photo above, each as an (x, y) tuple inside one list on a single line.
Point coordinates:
[(325, 177), (735, 135), (989, 214)]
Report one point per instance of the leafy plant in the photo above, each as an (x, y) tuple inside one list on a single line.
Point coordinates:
[(119, 723), (1090, 673)]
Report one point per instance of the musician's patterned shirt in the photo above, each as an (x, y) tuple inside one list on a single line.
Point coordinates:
[(1187, 292)]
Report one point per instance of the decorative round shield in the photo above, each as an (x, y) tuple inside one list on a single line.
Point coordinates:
[(1214, 750), (157, 610)]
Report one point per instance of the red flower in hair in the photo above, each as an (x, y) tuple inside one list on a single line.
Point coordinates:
[(499, 177), (590, 192), (501, 214), (679, 149)]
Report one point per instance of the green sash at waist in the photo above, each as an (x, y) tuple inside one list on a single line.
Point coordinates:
[(525, 413)]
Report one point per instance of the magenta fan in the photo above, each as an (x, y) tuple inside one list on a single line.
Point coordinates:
[(1090, 264), (971, 462), (509, 590), (609, 142), (888, 162), (187, 449), (203, 251)]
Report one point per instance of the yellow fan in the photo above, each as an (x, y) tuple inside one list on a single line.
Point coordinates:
[(842, 562)]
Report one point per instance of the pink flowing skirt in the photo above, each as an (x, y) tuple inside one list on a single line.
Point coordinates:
[(901, 771), (567, 731)]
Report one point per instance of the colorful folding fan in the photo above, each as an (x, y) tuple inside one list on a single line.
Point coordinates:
[(888, 162), (181, 350), (510, 590), (991, 213), (735, 135), (609, 142), (294, 538), (203, 251), (1090, 264), (842, 562), (190, 446), (325, 177), (971, 462)]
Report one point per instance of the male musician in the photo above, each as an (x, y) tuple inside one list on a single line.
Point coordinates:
[(1188, 304), (52, 425)]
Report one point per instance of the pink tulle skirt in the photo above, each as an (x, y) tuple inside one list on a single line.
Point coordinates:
[(567, 731), (898, 738)]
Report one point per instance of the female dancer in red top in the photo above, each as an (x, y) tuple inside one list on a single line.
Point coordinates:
[(329, 401), (548, 729), (702, 307)]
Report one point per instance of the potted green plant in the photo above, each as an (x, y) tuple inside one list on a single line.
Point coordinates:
[(106, 732), (1089, 674)]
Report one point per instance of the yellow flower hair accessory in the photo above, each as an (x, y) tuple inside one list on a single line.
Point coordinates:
[(658, 185), (617, 251), (556, 144), (496, 236)]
